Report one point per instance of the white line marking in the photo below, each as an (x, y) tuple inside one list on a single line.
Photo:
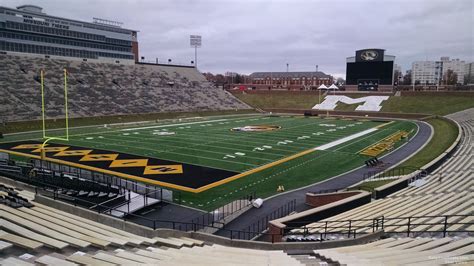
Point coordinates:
[(345, 139), (172, 125)]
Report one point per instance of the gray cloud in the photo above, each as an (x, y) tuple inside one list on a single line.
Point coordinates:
[(246, 36)]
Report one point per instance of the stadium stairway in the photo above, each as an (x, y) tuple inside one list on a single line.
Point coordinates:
[(42, 235)]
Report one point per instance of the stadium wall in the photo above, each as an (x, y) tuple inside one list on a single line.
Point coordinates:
[(318, 200), (312, 92), (349, 113), (438, 93)]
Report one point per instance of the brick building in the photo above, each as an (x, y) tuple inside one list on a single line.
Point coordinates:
[(289, 80)]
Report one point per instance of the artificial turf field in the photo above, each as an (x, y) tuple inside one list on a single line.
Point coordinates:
[(300, 152)]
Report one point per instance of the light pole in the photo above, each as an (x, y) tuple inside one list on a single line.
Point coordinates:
[(195, 41)]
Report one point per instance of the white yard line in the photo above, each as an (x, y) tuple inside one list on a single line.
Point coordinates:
[(345, 139), (173, 125)]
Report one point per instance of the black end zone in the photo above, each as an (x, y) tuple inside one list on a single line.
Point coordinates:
[(153, 171)]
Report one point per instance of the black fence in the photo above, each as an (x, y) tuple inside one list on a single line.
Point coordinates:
[(256, 229), (219, 215), (391, 225), (397, 171)]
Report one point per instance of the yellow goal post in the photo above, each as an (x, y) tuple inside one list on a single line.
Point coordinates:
[(43, 113)]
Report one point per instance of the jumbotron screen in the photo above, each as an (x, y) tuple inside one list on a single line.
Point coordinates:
[(383, 71)]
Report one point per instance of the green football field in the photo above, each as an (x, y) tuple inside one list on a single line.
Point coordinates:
[(299, 151)]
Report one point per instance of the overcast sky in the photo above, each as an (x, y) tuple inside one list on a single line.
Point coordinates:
[(246, 36)]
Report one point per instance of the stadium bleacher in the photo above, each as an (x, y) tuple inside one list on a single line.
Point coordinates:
[(98, 89), (47, 236), (403, 251), (443, 200)]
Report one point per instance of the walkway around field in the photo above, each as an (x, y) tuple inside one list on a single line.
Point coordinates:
[(254, 215)]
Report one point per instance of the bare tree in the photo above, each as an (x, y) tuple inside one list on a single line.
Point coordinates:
[(407, 78), (450, 78)]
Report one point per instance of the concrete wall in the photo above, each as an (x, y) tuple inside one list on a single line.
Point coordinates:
[(384, 88), (317, 200), (350, 113), (438, 93)]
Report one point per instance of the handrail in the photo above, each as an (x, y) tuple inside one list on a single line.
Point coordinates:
[(381, 223)]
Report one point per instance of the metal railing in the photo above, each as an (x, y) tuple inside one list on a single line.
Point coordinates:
[(220, 214), (404, 225), (256, 229), (398, 171)]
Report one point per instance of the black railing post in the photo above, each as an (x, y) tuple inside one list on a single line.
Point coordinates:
[(445, 225), (408, 226), (350, 226), (325, 229)]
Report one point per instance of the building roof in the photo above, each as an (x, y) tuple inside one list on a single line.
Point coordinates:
[(307, 74), (41, 13)]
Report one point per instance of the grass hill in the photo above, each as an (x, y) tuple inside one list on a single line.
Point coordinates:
[(441, 104)]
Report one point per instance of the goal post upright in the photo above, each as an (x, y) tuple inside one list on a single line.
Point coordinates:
[(65, 105), (43, 113), (42, 103)]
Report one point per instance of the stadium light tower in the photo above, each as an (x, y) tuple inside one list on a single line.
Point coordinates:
[(195, 41)]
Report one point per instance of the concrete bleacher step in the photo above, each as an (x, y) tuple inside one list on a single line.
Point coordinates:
[(85, 259), (99, 233), (101, 228), (103, 256), (309, 260), (136, 257), (10, 261), (67, 228), (169, 242), (5, 245), (48, 241), (53, 261), (195, 241), (20, 241), (377, 255), (154, 253), (187, 243), (44, 230)]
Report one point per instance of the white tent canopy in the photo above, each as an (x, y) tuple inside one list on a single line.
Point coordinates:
[(322, 87), (333, 87)]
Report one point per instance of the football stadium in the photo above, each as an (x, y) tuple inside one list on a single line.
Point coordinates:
[(106, 160)]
